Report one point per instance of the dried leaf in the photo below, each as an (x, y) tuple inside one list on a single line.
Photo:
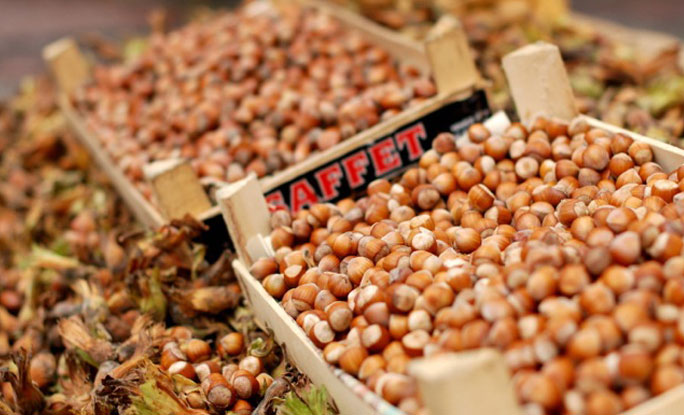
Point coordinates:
[(211, 300), (29, 398), (141, 388), (76, 336)]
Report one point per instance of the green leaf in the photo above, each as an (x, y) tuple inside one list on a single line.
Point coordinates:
[(155, 300), (44, 258), (313, 401)]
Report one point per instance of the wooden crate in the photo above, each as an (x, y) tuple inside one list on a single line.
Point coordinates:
[(246, 214), (540, 86), (651, 47), (474, 382), (176, 186)]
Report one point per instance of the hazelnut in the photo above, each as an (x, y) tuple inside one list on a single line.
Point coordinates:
[(584, 344), (468, 178), (597, 299), (351, 359), (444, 143), (625, 248), (437, 296), (274, 284), (466, 240), (371, 365), (415, 341), (197, 350), (635, 363), (526, 167), (42, 369), (304, 296), (231, 344), (540, 389), (480, 197), (171, 354), (619, 279), (204, 369), (620, 143), (372, 248), (339, 316), (573, 279), (251, 364), (477, 133), (620, 218), (595, 157), (542, 283), (496, 147), (621, 163), (183, 369), (570, 209), (425, 196), (665, 378), (666, 246), (640, 152), (634, 395), (282, 236), (263, 267), (321, 333), (218, 391), (603, 402), (332, 352), (375, 338), (323, 299)]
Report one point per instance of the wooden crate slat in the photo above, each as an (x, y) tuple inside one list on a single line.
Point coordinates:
[(403, 49), (246, 216), (668, 156), (669, 403), (71, 71), (539, 83), (67, 63), (250, 236), (457, 78), (177, 188), (540, 86), (302, 352), (141, 207), (546, 57), (449, 53), (471, 382), (402, 139)]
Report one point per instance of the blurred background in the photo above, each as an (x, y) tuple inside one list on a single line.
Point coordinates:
[(27, 25)]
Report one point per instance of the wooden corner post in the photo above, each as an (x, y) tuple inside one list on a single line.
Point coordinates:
[(539, 83), (453, 66), (177, 188), (67, 64), (247, 217), (475, 382)]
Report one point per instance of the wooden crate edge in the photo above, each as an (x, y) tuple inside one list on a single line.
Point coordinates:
[(302, 352), (142, 209), (668, 156), (402, 48), (152, 216)]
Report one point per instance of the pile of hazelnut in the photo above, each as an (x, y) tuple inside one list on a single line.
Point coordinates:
[(230, 377), (256, 90), (559, 245)]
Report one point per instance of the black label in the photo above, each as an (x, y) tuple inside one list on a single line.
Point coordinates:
[(382, 158)]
